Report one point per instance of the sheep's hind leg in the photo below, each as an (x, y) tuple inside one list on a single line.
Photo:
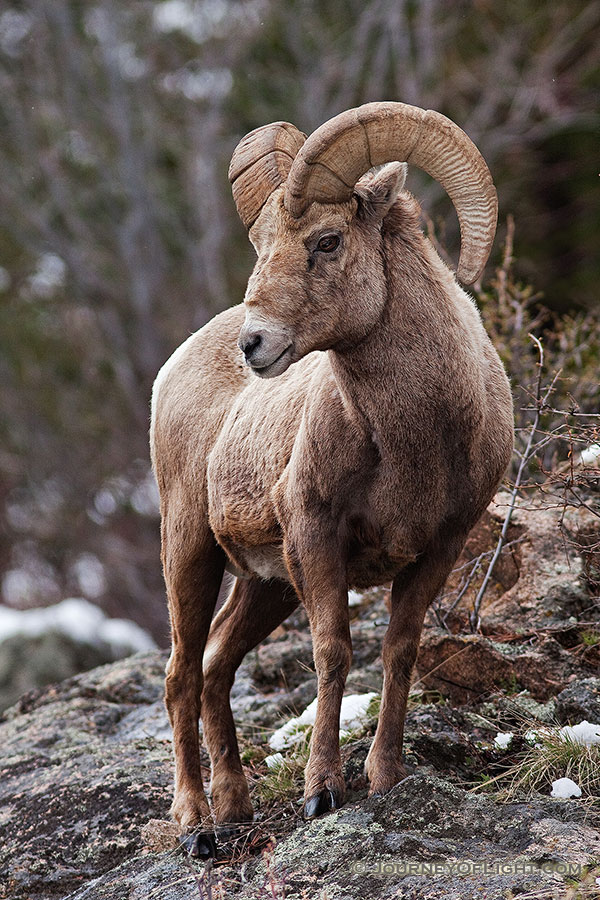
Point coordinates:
[(193, 575), (253, 610), (412, 592)]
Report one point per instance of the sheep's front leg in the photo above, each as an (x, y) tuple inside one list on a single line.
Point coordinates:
[(320, 581), (412, 592)]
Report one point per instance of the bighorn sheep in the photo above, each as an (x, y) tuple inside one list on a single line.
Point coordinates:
[(374, 437)]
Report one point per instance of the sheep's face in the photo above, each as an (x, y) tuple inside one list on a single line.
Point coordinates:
[(319, 282)]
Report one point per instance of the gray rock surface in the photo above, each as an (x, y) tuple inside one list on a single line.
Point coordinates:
[(86, 772), (426, 839), (85, 786), (79, 775), (28, 662), (578, 701)]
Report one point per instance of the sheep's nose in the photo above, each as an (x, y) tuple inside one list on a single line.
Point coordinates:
[(249, 343)]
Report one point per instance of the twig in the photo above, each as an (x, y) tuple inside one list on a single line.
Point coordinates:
[(474, 618), (442, 612), (204, 881)]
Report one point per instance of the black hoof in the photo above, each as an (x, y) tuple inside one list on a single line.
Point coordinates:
[(321, 803), (230, 832), (202, 846)]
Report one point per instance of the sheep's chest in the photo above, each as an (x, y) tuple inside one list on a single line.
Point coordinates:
[(313, 461), (251, 452)]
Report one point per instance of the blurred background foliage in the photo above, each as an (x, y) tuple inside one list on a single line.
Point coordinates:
[(118, 235)]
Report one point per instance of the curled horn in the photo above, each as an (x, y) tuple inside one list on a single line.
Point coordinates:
[(260, 163), (336, 155)]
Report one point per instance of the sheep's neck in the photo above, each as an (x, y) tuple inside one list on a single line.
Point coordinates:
[(410, 367), (393, 376)]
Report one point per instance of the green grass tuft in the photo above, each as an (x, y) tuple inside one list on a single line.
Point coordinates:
[(285, 782)]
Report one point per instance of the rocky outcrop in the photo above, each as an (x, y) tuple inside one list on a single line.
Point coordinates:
[(540, 619), (48, 644), (86, 772), (467, 667), (30, 662), (581, 700), (85, 789), (548, 555), (84, 765)]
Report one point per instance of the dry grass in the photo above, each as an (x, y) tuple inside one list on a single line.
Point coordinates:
[(555, 756)]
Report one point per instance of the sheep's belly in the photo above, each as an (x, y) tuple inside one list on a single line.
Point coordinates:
[(369, 570), (266, 562), (366, 569)]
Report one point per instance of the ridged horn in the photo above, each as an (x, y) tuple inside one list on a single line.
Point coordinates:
[(336, 155), (260, 163)]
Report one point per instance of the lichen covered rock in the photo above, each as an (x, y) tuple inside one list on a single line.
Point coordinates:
[(86, 768)]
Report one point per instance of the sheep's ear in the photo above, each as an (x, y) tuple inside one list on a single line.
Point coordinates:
[(377, 192)]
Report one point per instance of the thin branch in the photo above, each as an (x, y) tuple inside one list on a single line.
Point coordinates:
[(474, 618)]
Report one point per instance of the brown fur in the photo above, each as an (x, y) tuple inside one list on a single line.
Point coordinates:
[(368, 460)]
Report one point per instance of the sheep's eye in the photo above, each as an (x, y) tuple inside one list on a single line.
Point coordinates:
[(328, 243)]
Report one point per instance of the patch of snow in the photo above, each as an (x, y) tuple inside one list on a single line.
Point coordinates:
[(503, 739), (274, 761), (352, 716), (591, 455), (584, 733), (50, 274), (290, 732), (354, 598), (531, 736), (88, 572), (80, 620), (205, 84), (565, 789), (125, 637)]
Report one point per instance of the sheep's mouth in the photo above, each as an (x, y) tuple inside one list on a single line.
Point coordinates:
[(277, 366)]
